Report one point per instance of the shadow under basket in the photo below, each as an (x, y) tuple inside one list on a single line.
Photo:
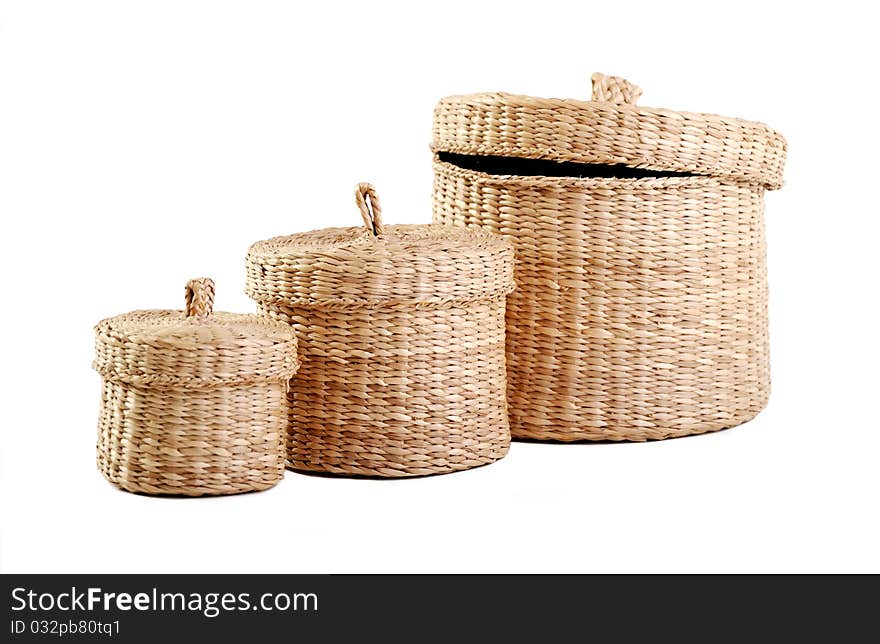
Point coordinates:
[(641, 303)]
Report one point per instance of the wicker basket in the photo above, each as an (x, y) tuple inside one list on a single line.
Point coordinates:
[(193, 402), (641, 302), (401, 336)]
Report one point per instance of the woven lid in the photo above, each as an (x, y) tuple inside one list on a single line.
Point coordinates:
[(377, 264), (194, 347), (610, 129)]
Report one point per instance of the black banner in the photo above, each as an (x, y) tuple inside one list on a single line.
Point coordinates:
[(150, 608)]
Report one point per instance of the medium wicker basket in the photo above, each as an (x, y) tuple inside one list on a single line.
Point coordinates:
[(401, 336), (641, 302), (193, 402)]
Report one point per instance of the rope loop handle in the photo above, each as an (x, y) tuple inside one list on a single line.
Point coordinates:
[(371, 211), (613, 89), (200, 297)]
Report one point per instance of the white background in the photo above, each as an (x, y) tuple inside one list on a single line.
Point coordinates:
[(144, 143)]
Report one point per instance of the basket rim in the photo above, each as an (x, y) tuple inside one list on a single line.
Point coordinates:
[(171, 328), (568, 129), (406, 265), (347, 243), (164, 347)]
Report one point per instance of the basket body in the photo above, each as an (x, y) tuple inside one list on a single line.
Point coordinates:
[(193, 403), (402, 344), (641, 304), (192, 442), (398, 390)]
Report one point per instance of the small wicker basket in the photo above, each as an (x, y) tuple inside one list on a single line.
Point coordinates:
[(193, 402), (641, 306), (401, 336)]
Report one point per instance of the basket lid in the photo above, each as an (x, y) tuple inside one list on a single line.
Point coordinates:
[(194, 347), (610, 129), (378, 264)]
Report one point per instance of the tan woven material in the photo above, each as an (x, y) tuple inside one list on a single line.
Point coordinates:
[(610, 129), (641, 303), (401, 336), (193, 402)]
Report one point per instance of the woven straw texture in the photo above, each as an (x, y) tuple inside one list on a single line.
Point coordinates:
[(193, 402), (641, 303), (610, 129), (401, 336)]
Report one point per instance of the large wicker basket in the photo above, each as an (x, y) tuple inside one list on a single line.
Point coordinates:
[(401, 336), (193, 402), (641, 302)]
